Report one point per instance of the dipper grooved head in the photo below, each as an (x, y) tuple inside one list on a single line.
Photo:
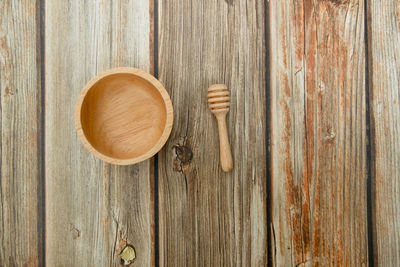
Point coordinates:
[(218, 98)]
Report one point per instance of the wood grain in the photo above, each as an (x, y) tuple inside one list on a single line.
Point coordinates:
[(384, 68), (21, 188), (207, 217), (123, 116), (93, 209), (318, 133)]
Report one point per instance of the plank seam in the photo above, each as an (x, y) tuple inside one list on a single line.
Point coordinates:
[(156, 197), (42, 135), (369, 124), (270, 226)]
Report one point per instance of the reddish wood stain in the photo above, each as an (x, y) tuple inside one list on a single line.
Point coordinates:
[(32, 261), (311, 53), (121, 243), (338, 2)]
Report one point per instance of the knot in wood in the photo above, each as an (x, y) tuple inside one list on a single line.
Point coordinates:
[(183, 153), (128, 255), (183, 158)]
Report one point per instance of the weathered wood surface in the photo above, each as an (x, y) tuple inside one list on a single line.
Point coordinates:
[(316, 81), (93, 208), (21, 188), (384, 78), (207, 217), (318, 133)]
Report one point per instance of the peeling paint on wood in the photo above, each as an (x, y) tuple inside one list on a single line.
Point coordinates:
[(318, 131)]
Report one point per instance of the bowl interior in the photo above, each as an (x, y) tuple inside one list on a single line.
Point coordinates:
[(123, 116)]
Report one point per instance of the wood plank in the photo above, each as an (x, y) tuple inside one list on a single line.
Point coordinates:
[(207, 217), (384, 78), (92, 208), (318, 125), (21, 187)]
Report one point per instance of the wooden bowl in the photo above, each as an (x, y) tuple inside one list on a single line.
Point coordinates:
[(123, 116)]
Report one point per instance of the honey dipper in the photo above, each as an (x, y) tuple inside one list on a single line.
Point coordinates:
[(219, 102)]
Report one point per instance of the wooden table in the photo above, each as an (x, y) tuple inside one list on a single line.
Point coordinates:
[(314, 126)]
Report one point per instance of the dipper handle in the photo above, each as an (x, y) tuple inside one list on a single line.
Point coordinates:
[(225, 153)]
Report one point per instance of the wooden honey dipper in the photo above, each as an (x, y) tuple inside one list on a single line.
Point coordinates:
[(219, 102)]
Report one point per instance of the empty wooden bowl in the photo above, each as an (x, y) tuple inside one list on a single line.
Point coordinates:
[(123, 116)]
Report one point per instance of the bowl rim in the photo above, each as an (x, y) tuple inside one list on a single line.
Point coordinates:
[(168, 108)]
